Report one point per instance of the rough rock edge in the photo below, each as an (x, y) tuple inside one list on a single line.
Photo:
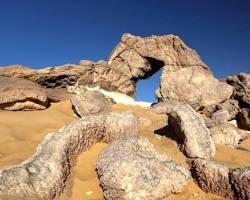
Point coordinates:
[(221, 179), (131, 168), (192, 133), (45, 175)]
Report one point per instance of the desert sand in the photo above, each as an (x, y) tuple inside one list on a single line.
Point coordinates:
[(22, 131)]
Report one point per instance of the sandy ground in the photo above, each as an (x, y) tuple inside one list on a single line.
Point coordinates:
[(21, 132)]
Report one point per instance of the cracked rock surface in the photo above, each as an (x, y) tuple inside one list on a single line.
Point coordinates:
[(45, 174), (192, 133), (90, 103), (132, 169), (20, 94)]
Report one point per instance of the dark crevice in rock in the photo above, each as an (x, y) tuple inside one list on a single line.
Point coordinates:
[(155, 64)]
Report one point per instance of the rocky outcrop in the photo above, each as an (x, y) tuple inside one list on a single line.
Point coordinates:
[(132, 169), (241, 182), (58, 94), (221, 179), (90, 103), (191, 132), (241, 85), (212, 177), (226, 134), (50, 77), (184, 77), (19, 94), (45, 175), (194, 85)]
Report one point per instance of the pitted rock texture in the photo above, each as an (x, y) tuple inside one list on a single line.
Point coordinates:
[(226, 134), (241, 181), (192, 133), (132, 169), (50, 77), (58, 94), (241, 85), (212, 177), (45, 175), (90, 103), (184, 77), (194, 85), (20, 94)]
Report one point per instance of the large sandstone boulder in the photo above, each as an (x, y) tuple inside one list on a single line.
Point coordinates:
[(240, 179), (90, 103), (194, 85), (184, 77), (192, 133), (212, 177), (50, 77), (20, 94), (46, 174), (226, 134), (241, 85), (132, 169)]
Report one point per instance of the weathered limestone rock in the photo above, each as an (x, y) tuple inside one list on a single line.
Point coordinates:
[(192, 132), (90, 103), (195, 86), (184, 78), (45, 175), (165, 107), (50, 77), (244, 117), (241, 85), (231, 106), (132, 169), (226, 134), (58, 94), (20, 94), (241, 182), (212, 177)]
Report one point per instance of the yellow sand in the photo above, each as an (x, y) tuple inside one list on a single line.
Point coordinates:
[(21, 132)]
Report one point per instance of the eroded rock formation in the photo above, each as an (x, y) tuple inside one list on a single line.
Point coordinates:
[(45, 175), (132, 169), (192, 133), (212, 177), (20, 94), (90, 103), (241, 85)]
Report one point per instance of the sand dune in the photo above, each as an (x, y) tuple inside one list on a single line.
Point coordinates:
[(21, 132)]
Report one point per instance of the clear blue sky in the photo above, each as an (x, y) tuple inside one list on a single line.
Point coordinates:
[(40, 33)]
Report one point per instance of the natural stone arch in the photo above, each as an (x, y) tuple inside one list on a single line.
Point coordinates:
[(185, 77)]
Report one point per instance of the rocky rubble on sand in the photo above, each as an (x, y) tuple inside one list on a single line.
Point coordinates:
[(201, 110), (45, 175), (132, 169), (90, 103), (20, 94)]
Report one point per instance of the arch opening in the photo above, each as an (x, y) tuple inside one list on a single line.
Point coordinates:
[(147, 85)]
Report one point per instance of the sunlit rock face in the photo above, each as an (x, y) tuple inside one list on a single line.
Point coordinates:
[(20, 94), (184, 78)]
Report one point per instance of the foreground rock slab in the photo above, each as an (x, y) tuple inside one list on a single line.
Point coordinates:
[(46, 174), (241, 181), (192, 133), (20, 94), (132, 169), (90, 103), (212, 177), (220, 179)]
